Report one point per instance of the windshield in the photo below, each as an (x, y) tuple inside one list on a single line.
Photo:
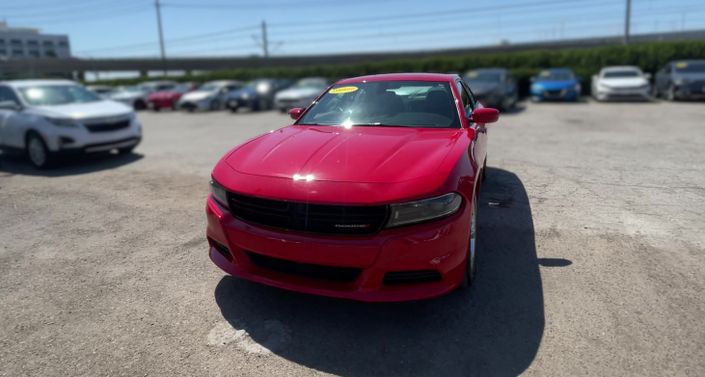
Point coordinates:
[(624, 73), (311, 83), (483, 76), (556, 75), (690, 67), (209, 87), (386, 103), (51, 95)]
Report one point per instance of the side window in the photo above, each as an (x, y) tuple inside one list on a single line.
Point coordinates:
[(6, 94), (466, 97)]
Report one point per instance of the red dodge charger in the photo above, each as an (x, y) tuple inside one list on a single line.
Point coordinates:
[(371, 194)]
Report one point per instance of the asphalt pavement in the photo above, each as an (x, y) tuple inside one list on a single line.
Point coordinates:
[(591, 261)]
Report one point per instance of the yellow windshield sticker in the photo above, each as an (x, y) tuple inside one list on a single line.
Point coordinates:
[(343, 90), (681, 65)]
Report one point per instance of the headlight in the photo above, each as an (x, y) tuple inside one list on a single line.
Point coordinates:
[(62, 122), (681, 81), (423, 210), (537, 88), (219, 193)]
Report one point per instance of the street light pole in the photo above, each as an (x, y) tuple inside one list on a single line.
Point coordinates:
[(627, 21), (158, 7), (265, 41)]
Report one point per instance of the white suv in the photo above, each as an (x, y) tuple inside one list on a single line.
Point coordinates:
[(46, 118)]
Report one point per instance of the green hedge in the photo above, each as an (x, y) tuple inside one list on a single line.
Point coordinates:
[(523, 64)]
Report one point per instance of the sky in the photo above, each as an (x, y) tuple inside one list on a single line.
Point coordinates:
[(128, 28)]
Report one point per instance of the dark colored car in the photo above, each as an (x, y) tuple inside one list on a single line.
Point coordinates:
[(256, 95), (493, 87), (683, 79)]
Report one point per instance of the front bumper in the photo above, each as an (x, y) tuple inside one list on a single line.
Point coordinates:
[(693, 90), (439, 246), (605, 94), (554, 94), (80, 139)]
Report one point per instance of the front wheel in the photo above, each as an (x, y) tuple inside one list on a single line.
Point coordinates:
[(472, 249), (37, 151)]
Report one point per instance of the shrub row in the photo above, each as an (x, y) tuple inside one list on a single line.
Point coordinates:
[(523, 64)]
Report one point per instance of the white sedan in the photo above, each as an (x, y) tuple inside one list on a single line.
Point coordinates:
[(48, 118), (209, 96), (622, 82)]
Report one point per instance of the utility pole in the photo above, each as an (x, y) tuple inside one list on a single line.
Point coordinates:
[(158, 7), (265, 42), (627, 21)]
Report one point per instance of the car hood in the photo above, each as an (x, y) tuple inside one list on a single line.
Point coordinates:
[(689, 76), (127, 95), (297, 93), (197, 95), (624, 82), (360, 154), (83, 110), (555, 85), (481, 88)]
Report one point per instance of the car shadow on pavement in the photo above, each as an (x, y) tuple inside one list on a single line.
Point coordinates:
[(18, 165), (494, 328)]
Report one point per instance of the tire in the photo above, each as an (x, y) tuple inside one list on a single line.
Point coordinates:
[(156, 109), (215, 105), (37, 151), (234, 109), (470, 270), (140, 105)]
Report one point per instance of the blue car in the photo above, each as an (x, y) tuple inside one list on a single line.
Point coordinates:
[(555, 84)]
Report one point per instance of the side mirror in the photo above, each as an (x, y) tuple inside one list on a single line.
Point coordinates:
[(10, 105), (296, 112), (484, 115)]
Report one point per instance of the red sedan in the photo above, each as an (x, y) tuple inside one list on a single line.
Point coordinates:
[(167, 99), (370, 195)]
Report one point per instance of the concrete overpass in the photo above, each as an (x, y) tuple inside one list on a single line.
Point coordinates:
[(77, 67)]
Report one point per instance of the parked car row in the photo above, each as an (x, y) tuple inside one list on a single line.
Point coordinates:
[(678, 80), (256, 95)]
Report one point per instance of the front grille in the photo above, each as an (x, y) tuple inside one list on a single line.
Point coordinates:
[(108, 126), (315, 271), (408, 277), (316, 218)]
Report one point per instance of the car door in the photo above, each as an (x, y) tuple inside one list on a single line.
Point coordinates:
[(479, 146), (11, 120)]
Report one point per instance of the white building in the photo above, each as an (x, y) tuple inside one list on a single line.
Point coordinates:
[(28, 43)]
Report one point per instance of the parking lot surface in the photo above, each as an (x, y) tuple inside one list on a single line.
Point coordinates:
[(591, 236)]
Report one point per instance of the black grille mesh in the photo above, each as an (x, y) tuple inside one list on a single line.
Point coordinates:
[(316, 218)]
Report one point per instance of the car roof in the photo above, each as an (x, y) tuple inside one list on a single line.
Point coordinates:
[(621, 68), (439, 77), (688, 61), (27, 83), (496, 69)]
